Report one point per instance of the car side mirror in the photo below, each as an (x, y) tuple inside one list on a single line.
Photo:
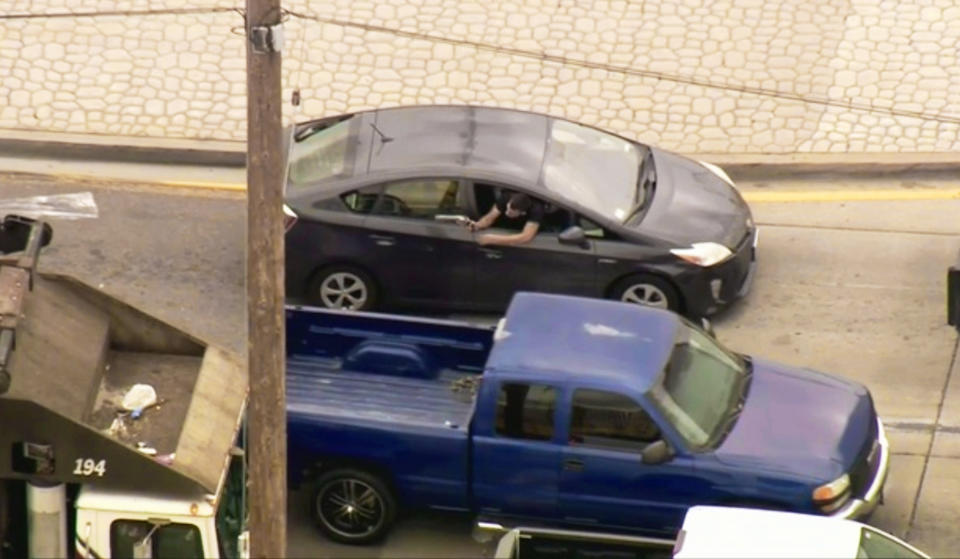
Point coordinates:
[(574, 236), (657, 452), (707, 327)]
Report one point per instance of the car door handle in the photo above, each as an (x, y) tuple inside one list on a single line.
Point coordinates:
[(492, 254), (383, 240), (573, 465)]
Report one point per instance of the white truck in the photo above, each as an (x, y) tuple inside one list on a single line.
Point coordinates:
[(83, 475), (711, 532)]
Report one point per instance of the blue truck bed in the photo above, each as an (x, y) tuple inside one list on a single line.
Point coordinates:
[(397, 390), (320, 387)]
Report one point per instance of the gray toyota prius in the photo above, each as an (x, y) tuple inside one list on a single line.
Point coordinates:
[(376, 202)]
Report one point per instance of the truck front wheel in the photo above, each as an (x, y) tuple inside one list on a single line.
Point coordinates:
[(353, 506)]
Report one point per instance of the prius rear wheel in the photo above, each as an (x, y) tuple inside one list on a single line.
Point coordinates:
[(343, 287)]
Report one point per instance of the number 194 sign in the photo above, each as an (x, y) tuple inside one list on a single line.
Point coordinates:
[(89, 467)]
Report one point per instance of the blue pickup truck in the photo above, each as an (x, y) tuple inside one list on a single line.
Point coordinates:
[(572, 412)]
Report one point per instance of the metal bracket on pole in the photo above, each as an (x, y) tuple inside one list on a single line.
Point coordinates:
[(267, 39)]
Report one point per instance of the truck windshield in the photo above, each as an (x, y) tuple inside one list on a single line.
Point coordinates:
[(701, 388), (169, 540)]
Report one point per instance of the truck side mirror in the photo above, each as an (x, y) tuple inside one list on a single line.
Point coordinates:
[(657, 452), (707, 327), (243, 545), (142, 549), (574, 236)]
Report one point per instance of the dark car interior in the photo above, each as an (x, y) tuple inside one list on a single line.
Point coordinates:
[(547, 547), (555, 219)]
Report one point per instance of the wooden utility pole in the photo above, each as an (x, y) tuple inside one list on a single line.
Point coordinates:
[(266, 414)]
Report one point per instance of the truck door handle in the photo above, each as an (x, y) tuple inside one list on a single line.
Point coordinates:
[(492, 254), (383, 240), (572, 465)]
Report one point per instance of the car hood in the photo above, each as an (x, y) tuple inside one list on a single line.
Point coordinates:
[(800, 421), (691, 204)]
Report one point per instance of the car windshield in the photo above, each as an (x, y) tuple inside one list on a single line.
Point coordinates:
[(702, 387), (592, 168), (876, 544), (319, 154)]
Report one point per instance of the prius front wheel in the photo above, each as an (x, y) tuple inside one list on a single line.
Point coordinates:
[(648, 290)]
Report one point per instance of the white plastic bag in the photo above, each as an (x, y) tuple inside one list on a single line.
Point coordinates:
[(78, 205), (139, 396)]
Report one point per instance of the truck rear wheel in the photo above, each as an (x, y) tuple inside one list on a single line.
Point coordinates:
[(352, 506)]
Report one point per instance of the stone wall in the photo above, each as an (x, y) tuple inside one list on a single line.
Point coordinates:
[(721, 76)]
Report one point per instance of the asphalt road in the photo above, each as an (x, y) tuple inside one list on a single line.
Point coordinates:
[(852, 284)]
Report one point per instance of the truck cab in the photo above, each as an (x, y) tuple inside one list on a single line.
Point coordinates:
[(83, 465), (118, 523)]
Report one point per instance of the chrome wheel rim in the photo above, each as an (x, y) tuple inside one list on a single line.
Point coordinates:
[(350, 508), (343, 290), (646, 294)]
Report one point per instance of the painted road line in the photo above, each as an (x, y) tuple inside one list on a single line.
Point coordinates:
[(210, 185), (851, 195)]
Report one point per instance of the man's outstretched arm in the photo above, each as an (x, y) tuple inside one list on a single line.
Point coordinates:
[(525, 236), (485, 221)]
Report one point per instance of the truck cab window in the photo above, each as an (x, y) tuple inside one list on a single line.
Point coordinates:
[(525, 411), (168, 540), (612, 420)]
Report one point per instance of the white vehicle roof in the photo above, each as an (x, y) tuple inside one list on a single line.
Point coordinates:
[(724, 532), (146, 502)]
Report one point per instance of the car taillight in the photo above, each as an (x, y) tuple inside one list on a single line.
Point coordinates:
[(289, 218)]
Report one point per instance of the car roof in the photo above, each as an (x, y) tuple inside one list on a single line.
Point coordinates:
[(485, 143), (462, 139), (612, 343), (720, 532)]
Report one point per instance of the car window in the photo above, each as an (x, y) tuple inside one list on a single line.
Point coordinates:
[(361, 201), (594, 230), (422, 199), (320, 154), (544, 547), (875, 544), (608, 419), (525, 411)]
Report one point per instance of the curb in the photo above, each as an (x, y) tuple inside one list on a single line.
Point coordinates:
[(219, 153), (862, 164), (213, 153)]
